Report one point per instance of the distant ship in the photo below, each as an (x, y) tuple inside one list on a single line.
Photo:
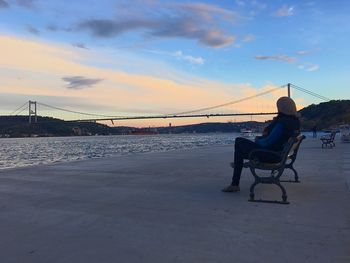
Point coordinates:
[(345, 132), (247, 133)]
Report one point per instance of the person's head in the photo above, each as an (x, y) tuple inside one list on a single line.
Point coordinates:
[(286, 105)]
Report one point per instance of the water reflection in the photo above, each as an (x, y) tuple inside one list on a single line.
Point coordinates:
[(34, 151)]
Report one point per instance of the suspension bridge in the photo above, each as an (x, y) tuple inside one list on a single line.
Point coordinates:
[(31, 107)]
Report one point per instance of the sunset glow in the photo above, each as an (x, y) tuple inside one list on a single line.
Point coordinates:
[(163, 57)]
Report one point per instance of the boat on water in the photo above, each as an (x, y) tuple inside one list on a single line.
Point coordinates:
[(344, 132), (247, 133)]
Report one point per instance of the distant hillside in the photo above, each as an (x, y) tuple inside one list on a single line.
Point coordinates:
[(18, 126), (326, 114), (212, 127)]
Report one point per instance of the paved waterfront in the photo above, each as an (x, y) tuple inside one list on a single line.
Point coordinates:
[(168, 207)]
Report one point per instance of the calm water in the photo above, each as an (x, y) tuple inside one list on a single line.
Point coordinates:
[(34, 151)]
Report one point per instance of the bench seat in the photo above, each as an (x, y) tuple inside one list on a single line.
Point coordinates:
[(287, 158)]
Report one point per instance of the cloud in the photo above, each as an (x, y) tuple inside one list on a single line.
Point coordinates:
[(179, 55), (248, 38), (79, 45), (52, 28), (190, 29), (78, 82), (303, 52), (208, 12), (309, 67), (4, 4), (197, 21), (110, 28), (285, 11), (30, 4), (168, 28), (240, 2), (283, 58), (32, 30), (313, 68), (27, 3), (307, 52), (195, 60), (258, 5)]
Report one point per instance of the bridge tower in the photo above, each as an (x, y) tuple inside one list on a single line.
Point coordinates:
[(32, 111), (288, 86)]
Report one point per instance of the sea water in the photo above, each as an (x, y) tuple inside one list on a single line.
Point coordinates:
[(19, 152)]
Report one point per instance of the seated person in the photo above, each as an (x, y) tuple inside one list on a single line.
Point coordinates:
[(275, 135)]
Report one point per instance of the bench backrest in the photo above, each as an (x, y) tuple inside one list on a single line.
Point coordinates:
[(329, 136), (287, 148), (291, 148), (332, 135), (295, 147)]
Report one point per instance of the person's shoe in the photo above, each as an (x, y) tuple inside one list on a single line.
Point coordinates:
[(231, 189), (232, 165)]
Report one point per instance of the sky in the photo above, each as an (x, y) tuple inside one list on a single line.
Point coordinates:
[(150, 57)]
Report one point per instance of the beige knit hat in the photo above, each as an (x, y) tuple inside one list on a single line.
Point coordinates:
[(286, 106)]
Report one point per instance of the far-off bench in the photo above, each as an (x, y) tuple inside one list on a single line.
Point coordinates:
[(287, 158), (328, 140)]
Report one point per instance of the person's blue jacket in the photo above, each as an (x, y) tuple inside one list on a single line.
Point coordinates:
[(278, 132)]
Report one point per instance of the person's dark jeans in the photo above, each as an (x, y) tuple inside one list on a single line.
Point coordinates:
[(242, 149)]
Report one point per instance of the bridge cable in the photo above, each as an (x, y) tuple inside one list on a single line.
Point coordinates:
[(192, 111), (77, 112), (24, 105), (21, 111), (311, 93), (230, 103)]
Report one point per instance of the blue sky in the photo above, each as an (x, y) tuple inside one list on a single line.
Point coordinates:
[(212, 48)]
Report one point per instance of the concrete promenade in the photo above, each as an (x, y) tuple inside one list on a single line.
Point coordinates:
[(168, 207)]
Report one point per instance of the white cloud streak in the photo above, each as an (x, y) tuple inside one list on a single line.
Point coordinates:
[(248, 38), (179, 55), (283, 58), (285, 11), (313, 68), (309, 67), (194, 60)]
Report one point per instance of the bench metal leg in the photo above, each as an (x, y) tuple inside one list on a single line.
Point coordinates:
[(270, 201), (267, 180), (252, 187), (284, 193), (296, 177)]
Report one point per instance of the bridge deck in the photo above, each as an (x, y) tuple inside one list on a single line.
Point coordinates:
[(168, 207)]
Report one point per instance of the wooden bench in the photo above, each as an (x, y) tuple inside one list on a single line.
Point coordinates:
[(328, 140), (287, 158)]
